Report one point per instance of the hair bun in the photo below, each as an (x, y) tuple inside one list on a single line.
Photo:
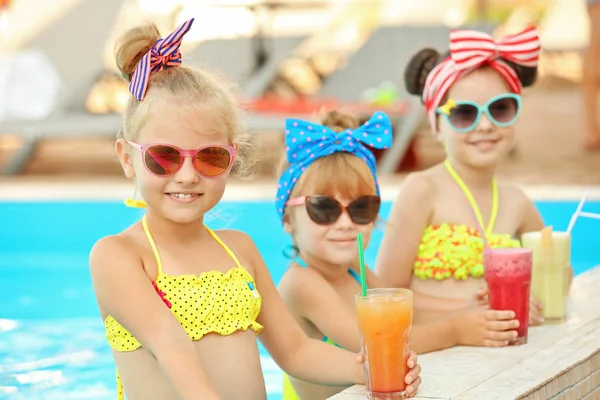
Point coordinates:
[(419, 66), (132, 46), (338, 121), (527, 75)]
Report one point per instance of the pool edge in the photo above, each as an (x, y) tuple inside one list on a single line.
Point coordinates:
[(118, 189)]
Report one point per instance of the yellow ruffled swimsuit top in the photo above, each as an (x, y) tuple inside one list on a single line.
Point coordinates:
[(456, 251), (212, 302)]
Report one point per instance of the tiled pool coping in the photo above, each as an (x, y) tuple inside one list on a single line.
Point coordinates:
[(560, 362)]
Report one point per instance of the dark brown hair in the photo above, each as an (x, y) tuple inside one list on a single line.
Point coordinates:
[(422, 63)]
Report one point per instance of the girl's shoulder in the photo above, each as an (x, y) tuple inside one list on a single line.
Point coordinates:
[(243, 247), (424, 181), (114, 255), (298, 281), (295, 279), (417, 188), (304, 291), (126, 241), (235, 239), (513, 193)]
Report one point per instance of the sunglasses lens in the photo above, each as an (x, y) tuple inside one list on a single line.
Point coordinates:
[(463, 116), (162, 160), (323, 210), (364, 210), (213, 161), (504, 109)]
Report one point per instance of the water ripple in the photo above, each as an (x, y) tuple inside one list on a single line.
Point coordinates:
[(70, 360)]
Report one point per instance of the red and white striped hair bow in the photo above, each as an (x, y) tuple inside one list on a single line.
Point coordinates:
[(471, 49), (164, 54)]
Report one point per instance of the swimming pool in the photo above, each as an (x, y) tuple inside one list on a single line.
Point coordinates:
[(51, 335)]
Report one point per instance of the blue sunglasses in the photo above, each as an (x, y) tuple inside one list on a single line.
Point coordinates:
[(464, 115)]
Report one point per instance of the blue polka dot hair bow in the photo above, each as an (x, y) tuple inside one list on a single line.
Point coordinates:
[(307, 141)]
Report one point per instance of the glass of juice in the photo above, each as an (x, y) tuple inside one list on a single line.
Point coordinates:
[(385, 321), (508, 276), (550, 277)]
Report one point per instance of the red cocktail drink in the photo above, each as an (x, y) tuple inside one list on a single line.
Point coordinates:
[(508, 276)]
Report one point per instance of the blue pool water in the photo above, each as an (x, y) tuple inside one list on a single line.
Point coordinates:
[(51, 335)]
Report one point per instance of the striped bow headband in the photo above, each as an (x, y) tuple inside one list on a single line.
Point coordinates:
[(471, 49), (164, 54)]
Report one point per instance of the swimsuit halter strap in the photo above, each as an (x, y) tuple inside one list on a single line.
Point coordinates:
[(300, 262), (472, 201), (224, 246), (152, 244), (120, 392), (157, 256)]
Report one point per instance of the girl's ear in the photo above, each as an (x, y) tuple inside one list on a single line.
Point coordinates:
[(287, 227), (437, 133), (125, 158)]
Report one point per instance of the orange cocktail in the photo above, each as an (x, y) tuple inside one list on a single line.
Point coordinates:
[(385, 321)]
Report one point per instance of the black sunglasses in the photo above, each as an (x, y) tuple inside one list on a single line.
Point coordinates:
[(325, 210)]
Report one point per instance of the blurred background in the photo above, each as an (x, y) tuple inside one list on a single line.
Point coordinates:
[(61, 96)]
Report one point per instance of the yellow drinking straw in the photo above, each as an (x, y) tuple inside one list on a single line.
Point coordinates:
[(546, 246)]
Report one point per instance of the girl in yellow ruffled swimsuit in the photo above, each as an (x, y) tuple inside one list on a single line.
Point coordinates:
[(182, 305), (213, 302), (432, 242)]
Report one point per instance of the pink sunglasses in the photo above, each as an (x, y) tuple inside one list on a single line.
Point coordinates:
[(165, 159)]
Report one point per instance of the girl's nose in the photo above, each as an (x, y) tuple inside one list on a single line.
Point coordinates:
[(187, 174)]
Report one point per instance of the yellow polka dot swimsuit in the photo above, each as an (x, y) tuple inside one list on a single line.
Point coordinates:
[(456, 251), (212, 302)]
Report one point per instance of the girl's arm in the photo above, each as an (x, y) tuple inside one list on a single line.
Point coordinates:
[(313, 299), (324, 308), (403, 231), (438, 335), (471, 327), (124, 291), (432, 305), (410, 215), (475, 326), (298, 355), (531, 219), (301, 357)]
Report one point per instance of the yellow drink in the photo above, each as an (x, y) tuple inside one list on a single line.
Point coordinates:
[(550, 277)]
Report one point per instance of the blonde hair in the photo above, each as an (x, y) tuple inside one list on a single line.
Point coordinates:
[(195, 90), (337, 173)]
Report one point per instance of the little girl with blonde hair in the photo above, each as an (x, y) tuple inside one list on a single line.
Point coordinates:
[(181, 303)]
